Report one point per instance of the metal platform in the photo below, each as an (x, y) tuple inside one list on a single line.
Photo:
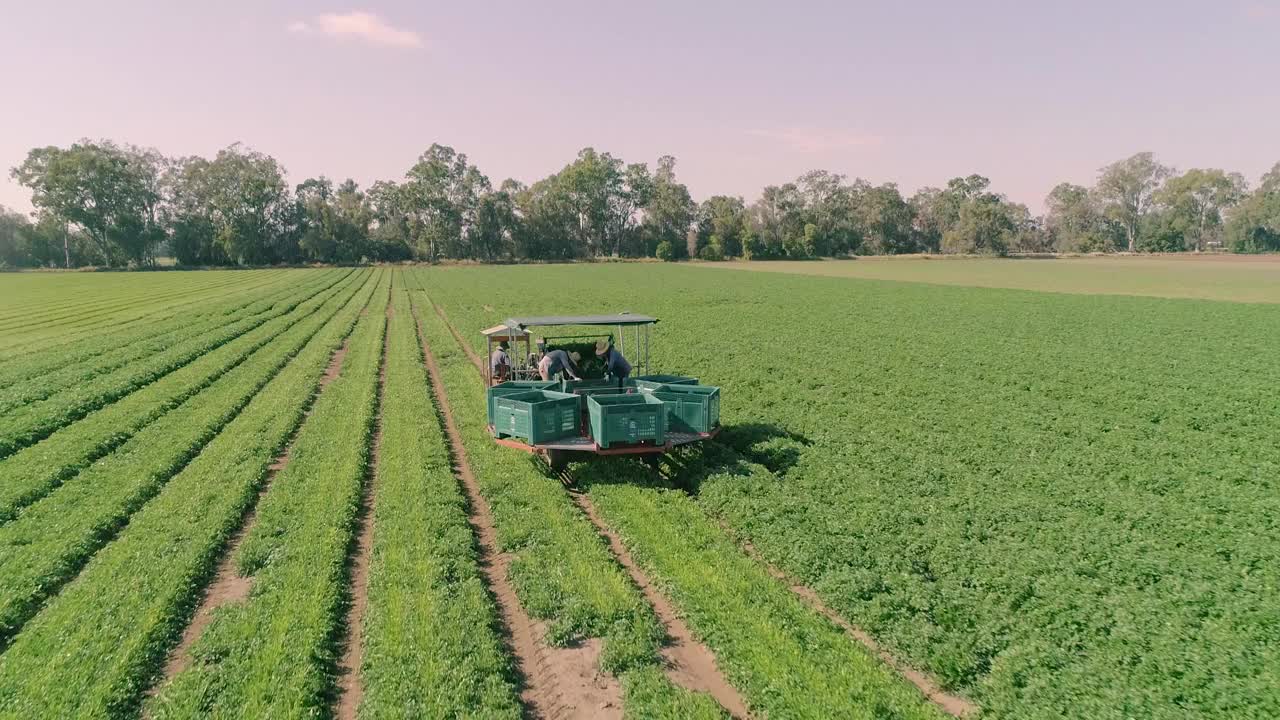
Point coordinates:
[(586, 444), (676, 439)]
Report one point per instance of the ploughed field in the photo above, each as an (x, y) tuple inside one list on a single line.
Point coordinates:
[(271, 493)]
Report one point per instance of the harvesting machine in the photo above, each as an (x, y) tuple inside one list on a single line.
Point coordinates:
[(645, 414)]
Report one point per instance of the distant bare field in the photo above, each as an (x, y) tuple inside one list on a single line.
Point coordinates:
[(1236, 278)]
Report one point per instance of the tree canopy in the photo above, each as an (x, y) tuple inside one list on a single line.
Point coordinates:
[(100, 203)]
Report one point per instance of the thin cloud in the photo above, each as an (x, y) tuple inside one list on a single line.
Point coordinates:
[(811, 140), (356, 25)]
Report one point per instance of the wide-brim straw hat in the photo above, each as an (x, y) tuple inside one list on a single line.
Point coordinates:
[(602, 347)]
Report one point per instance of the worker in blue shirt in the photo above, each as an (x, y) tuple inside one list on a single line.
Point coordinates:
[(616, 367)]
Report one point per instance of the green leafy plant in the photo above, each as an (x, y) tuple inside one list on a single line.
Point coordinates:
[(129, 604), (1024, 494)]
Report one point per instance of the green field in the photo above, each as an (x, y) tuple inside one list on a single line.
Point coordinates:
[(241, 493), (1046, 500), (1239, 278)]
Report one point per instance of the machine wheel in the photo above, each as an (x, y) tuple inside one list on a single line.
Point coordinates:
[(558, 460)]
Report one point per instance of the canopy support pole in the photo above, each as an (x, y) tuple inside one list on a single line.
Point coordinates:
[(647, 370), (488, 373)]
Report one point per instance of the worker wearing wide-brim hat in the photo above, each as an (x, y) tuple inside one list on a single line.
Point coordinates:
[(616, 367), (500, 362), (555, 362)]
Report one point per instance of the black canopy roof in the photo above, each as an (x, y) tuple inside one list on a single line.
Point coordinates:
[(627, 319)]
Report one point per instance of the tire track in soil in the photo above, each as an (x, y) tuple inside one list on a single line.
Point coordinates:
[(228, 586), (557, 682), (462, 343), (953, 705), (350, 688), (687, 663)]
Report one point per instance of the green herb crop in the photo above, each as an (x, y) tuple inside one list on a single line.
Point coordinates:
[(431, 645), (50, 541), (561, 569), (273, 655), (95, 647), (1055, 505), (1047, 501)]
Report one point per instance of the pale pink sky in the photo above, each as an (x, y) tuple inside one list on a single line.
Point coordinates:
[(744, 94)]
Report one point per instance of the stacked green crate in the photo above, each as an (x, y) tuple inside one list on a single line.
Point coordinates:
[(690, 408), (515, 387), (536, 415), (633, 418)]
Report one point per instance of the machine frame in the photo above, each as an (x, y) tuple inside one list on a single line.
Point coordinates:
[(557, 453)]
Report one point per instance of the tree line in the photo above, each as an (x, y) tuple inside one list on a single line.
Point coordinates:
[(101, 203)]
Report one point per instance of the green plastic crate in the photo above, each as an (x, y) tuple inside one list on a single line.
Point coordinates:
[(587, 388), (665, 380), (632, 418), (690, 408), (536, 415), (514, 387)]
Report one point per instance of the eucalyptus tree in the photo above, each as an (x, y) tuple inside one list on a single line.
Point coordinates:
[(1254, 224), (1197, 202), (111, 192), (1127, 190)]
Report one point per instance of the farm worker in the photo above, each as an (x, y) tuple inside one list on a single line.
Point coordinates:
[(500, 362), (558, 361), (615, 366)]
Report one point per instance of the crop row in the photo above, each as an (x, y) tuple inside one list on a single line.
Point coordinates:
[(147, 297), (64, 338), (44, 318), (431, 645), (83, 360), (95, 647), (31, 423), (23, 294), (50, 315), (1045, 500), (29, 294), (786, 659), (34, 471), (32, 363), (561, 568), (51, 540), (122, 353), (273, 656), (90, 319)]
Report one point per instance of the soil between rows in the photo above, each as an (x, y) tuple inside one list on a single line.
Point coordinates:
[(228, 586), (350, 687), (687, 662), (951, 704), (558, 682)]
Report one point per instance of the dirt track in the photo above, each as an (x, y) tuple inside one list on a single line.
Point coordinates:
[(228, 586), (559, 682), (948, 703), (350, 687), (688, 663)]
